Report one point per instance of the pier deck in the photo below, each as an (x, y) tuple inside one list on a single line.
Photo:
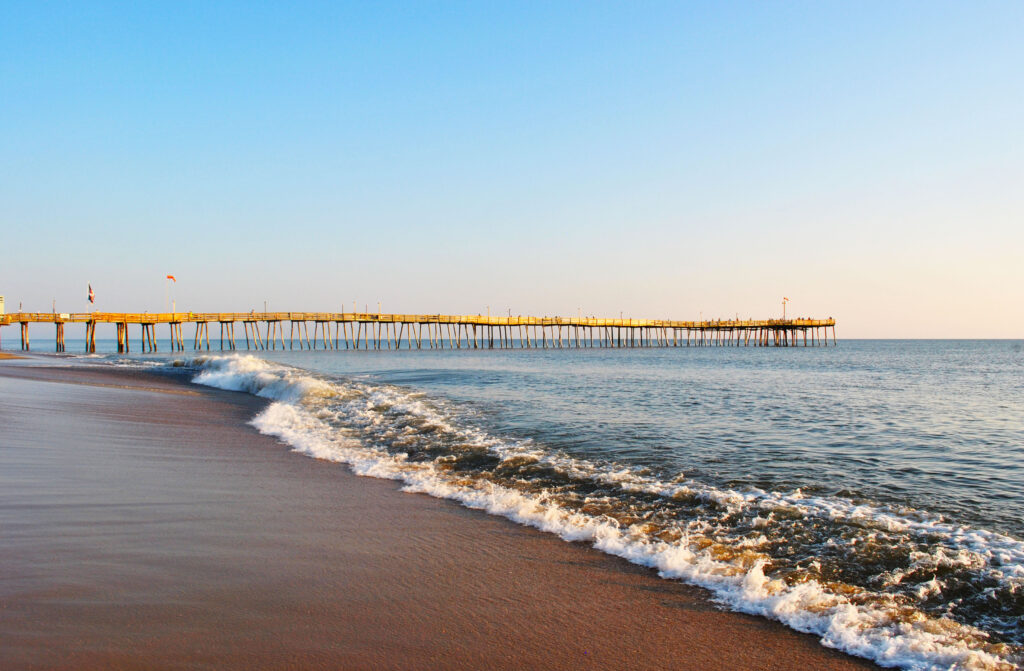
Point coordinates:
[(358, 330)]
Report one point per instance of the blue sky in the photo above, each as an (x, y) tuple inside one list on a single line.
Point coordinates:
[(661, 159)]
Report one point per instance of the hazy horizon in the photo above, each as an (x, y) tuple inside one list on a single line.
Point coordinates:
[(660, 160)]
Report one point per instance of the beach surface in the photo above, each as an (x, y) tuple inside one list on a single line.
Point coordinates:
[(146, 525)]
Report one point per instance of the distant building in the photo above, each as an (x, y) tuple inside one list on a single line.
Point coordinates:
[(2, 309)]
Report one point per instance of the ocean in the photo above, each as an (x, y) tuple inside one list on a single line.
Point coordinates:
[(870, 493)]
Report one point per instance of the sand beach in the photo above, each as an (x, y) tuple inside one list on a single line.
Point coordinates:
[(147, 526)]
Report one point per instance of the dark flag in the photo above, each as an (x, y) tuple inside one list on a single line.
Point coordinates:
[(92, 296)]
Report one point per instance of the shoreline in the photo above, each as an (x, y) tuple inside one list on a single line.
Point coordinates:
[(152, 527)]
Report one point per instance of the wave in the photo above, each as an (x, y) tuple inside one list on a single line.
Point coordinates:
[(898, 586)]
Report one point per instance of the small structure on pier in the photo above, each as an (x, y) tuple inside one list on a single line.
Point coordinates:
[(354, 330)]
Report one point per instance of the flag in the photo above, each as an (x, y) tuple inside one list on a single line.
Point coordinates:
[(92, 296), (171, 278)]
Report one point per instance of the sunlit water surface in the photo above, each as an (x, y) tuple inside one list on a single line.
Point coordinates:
[(887, 474)]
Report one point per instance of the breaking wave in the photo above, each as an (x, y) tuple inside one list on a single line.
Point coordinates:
[(898, 586)]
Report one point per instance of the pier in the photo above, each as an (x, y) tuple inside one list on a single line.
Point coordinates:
[(376, 331)]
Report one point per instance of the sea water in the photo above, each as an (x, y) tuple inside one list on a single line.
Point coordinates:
[(870, 493)]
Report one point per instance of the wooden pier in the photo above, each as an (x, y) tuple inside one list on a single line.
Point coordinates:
[(376, 331)]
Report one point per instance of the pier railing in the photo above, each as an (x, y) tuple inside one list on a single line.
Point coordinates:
[(374, 330)]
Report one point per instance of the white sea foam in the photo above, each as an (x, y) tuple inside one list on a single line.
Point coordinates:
[(303, 417)]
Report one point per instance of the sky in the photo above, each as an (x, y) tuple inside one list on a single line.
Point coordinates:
[(661, 160)]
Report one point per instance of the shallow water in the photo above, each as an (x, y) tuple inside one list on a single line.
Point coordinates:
[(869, 493)]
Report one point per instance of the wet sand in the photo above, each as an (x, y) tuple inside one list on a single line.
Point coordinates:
[(145, 525)]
